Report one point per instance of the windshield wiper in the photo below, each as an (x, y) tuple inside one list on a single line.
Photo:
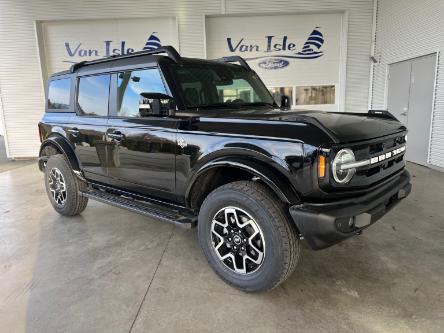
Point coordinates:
[(258, 104), (231, 105), (209, 106)]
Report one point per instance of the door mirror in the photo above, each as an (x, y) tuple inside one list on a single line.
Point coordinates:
[(156, 104), (285, 102)]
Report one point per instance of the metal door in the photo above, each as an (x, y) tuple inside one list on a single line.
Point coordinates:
[(399, 90), (410, 99)]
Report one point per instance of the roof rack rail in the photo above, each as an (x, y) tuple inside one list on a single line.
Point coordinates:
[(238, 59), (169, 50)]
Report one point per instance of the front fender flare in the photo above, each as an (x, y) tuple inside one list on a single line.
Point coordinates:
[(280, 184)]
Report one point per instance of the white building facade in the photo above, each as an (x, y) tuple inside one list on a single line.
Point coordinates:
[(333, 72), (407, 30)]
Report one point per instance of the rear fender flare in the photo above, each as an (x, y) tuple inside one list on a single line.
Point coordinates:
[(62, 145)]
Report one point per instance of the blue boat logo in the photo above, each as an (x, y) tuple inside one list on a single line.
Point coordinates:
[(273, 63), (312, 46), (152, 43)]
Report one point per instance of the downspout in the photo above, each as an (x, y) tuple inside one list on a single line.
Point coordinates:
[(3, 125), (372, 54)]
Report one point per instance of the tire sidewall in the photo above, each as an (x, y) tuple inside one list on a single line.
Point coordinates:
[(269, 272), (59, 162)]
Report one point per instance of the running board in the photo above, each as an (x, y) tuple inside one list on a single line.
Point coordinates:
[(179, 217)]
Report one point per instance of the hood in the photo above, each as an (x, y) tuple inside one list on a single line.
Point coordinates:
[(339, 127), (350, 127)]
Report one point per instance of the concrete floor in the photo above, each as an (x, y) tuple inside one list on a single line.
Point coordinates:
[(109, 270)]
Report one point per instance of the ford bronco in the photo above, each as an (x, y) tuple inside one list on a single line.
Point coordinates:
[(203, 142)]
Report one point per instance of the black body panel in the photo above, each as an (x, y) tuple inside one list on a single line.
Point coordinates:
[(162, 157)]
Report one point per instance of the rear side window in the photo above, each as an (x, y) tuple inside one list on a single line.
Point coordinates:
[(93, 95), (58, 94)]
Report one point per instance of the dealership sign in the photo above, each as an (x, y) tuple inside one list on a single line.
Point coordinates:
[(71, 41), (286, 50), (278, 48), (109, 48)]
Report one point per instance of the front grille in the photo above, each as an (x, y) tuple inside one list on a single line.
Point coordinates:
[(376, 172)]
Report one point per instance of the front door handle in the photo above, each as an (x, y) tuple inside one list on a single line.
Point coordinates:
[(74, 131), (116, 135), (404, 114)]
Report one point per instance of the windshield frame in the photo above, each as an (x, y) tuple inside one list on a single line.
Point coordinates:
[(172, 75)]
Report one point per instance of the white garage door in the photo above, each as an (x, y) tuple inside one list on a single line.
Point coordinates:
[(65, 42), (299, 55)]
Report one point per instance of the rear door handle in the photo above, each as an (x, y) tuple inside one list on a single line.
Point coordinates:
[(404, 114)]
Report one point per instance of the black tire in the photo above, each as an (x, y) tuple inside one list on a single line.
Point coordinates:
[(74, 203), (281, 244)]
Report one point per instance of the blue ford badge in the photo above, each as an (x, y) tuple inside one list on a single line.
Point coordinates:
[(273, 63)]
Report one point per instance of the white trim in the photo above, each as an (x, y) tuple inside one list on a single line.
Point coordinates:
[(3, 124), (177, 33), (205, 35), (342, 64), (372, 54), (387, 74), (223, 7), (432, 114)]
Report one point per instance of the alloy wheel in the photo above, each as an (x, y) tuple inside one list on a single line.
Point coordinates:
[(237, 240), (57, 186)]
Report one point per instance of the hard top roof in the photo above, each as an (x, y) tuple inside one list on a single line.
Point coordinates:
[(145, 57)]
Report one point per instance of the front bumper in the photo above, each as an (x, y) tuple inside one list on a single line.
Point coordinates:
[(325, 224)]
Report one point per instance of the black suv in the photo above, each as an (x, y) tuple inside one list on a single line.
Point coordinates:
[(192, 141)]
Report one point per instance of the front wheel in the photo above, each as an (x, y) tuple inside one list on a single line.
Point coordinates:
[(246, 236)]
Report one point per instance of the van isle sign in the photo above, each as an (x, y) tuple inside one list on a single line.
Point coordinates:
[(277, 49), (109, 48)]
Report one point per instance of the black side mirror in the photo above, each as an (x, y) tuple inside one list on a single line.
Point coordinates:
[(285, 102), (156, 104)]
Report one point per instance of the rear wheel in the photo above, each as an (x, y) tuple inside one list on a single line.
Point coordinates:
[(246, 236), (62, 187)]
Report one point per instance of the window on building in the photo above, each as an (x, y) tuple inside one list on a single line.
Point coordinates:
[(131, 84), (92, 98), (240, 89), (312, 95), (278, 92), (58, 94)]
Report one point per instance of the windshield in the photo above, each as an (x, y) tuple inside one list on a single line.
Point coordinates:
[(220, 86)]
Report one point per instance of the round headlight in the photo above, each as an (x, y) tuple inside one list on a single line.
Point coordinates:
[(343, 156)]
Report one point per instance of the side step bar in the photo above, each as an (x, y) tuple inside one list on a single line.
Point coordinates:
[(182, 218)]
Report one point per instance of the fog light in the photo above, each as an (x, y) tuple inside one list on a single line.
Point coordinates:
[(345, 224), (351, 222)]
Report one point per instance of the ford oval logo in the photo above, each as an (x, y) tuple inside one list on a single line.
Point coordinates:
[(273, 63)]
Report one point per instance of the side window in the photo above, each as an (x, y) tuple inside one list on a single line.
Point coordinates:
[(131, 84), (93, 94), (58, 94)]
